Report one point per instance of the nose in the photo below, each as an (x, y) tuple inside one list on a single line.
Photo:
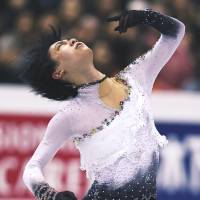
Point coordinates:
[(72, 41)]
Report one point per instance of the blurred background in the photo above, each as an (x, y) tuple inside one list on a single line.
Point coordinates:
[(176, 97)]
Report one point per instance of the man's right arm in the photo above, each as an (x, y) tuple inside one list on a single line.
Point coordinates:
[(58, 131)]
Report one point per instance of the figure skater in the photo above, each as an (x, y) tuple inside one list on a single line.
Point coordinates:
[(109, 119)]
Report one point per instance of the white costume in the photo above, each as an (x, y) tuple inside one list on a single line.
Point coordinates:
[(114, 147)]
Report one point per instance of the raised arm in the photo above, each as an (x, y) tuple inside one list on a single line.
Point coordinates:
[(146, 68), (57, 132)]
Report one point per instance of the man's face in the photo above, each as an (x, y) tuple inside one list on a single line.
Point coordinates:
[(71, 55)]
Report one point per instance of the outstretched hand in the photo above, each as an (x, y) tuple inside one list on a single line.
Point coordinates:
[(122, 18), (163, 23), (66, 195), (126, 19)]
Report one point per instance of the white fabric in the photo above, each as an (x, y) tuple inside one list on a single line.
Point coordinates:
[(129, 140)]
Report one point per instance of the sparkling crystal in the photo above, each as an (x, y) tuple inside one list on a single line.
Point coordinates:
[(121, 102), (106, 122)]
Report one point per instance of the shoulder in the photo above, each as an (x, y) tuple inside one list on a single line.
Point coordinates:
[(62, 124), (65, 115)]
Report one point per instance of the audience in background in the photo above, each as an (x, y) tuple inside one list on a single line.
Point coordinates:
[(21, 21)]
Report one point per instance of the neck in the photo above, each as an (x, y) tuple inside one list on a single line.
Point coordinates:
[(86, 76), (105, 88)]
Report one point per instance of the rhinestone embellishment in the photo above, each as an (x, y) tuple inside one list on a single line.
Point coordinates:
[(107, 121)]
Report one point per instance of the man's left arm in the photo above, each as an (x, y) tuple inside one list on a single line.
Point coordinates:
[(146, 68)]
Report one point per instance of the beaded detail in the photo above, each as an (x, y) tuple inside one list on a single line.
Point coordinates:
[(142, 187), (43, 191), (107, 121)]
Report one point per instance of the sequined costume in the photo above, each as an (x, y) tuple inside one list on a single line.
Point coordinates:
[(119, 149)]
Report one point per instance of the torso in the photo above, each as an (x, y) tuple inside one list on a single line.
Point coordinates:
[(119, 92)]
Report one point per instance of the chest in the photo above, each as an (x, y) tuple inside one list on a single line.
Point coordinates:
[(118, 93), (133, 113)]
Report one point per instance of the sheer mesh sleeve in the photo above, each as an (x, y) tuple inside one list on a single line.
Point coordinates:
[(57, 132), (146, 68)]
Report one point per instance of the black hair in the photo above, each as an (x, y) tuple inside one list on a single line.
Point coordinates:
[(38, 69)]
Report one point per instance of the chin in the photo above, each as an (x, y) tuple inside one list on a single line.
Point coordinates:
[(88, 51)]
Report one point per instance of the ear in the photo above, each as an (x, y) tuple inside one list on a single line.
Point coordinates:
[(58, 74)]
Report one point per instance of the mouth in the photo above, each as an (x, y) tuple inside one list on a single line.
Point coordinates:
[(78, 44)]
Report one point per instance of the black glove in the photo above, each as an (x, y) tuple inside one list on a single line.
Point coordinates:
[(163, 23), (45, 191), (66, 195)]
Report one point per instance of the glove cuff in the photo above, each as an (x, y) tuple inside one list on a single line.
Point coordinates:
[(163, 23), (44, 191)]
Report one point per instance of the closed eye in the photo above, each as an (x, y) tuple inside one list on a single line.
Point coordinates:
[(59, 44)]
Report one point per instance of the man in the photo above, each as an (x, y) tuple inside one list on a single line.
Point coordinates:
[(120, 155)]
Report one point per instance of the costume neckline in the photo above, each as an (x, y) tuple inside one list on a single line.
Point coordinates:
[(111, 119), (92, 83), (91, 92)]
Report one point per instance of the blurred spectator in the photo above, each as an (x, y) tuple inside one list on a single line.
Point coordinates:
[(106, 7), (24, 28), (70, 12), (22, 20), (7, 48), (45, 5), (88, 29), (11, 11), (138, 5), (46, 20), (103, 57), (8, 52)]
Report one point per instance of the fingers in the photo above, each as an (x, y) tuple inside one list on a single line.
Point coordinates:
[(114, 18), (66, 195), (117, 28), (123, 23), (123, 20), (70, 195)]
